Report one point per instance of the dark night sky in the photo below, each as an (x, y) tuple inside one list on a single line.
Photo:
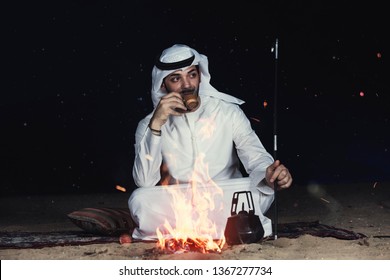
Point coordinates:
[(78, 78)]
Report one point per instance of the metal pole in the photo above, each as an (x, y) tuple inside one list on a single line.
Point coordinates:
[(276, 136)]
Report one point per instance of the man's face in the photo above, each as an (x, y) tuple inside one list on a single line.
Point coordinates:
[(183, 81)]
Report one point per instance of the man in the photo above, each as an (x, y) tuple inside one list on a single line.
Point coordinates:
[(191, 119)]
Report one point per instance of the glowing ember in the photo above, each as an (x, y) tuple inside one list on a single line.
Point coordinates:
[(120, 188), (183, 246), (194, 230)]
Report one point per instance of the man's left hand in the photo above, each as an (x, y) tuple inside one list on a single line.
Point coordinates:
[(278, 173)]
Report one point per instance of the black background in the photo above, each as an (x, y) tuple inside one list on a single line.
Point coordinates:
[(77, 76)]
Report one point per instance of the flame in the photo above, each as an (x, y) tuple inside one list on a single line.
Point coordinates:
[(193, 230)]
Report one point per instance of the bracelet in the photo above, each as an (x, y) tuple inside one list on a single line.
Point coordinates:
[(155, 131)]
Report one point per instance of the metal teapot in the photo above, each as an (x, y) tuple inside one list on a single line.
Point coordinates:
[(243, 227)]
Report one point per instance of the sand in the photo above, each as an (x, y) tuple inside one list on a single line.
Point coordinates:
[(363, 208)]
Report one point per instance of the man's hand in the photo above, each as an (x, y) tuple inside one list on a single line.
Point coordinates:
[(278, 173), (166, 107)]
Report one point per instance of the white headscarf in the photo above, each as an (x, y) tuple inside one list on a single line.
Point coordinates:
[(177, 54)]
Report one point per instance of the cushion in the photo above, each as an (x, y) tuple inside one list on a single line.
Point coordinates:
[(103, 220)]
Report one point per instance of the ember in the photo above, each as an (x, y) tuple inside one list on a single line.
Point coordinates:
[(184, 246), (120, 188)]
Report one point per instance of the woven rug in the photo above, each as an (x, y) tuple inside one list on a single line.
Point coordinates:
[(24, 240), (294, 230)]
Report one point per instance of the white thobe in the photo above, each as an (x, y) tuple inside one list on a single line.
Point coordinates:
[(204, 145)]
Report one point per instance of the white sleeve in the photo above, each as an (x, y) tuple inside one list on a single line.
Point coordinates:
[(251, 151), (148, 157)]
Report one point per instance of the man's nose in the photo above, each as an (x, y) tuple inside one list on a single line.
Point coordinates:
[(186, 83)]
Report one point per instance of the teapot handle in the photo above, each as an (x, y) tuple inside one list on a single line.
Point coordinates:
[(233, 209)]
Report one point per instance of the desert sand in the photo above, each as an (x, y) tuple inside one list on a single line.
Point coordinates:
[(362, 208)]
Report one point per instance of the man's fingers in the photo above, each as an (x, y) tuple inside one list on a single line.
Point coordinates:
[(284, 180), (275, 164), (280, 173), (168, 105), (286, 185), (275, 169)]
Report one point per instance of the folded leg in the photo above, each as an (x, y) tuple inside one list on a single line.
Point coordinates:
[(152, 207)]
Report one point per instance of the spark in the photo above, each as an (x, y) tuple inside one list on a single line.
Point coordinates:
[(120, 188)]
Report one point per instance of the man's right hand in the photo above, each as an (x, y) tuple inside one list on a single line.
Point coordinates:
[(166, 107)]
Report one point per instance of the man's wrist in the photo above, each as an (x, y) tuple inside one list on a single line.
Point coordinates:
[(154, 124), (156, 132)]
